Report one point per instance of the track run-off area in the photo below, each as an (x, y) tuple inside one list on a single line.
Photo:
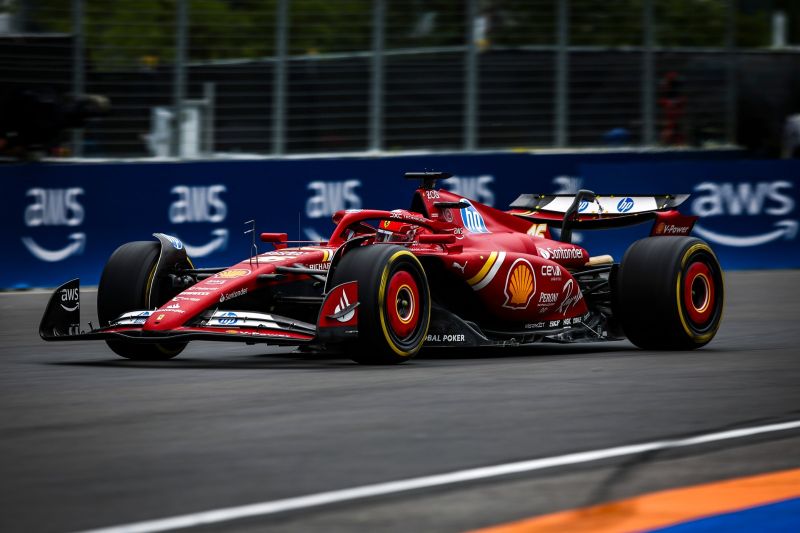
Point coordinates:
[(249, 438)]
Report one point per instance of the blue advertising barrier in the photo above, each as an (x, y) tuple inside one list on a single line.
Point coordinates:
[(748, 209), (64, 220)]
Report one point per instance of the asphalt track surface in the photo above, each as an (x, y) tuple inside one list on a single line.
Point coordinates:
[(89, 440)]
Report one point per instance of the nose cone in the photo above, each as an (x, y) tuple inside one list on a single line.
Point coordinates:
[(207, 294), (224, 287)]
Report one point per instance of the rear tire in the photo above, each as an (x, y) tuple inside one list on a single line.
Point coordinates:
[(394, 303), (125, 284), (670, 293)]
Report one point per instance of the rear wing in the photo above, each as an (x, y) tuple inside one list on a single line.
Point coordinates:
[(609, 205), (587, 210)]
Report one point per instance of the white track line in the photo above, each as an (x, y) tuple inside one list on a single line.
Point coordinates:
[(392, 487)]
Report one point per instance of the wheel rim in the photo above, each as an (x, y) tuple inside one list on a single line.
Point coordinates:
[(698, 293), (402, 304)]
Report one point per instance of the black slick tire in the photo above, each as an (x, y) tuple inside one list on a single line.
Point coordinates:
[(125, 284), (669, 293), (394, 303)]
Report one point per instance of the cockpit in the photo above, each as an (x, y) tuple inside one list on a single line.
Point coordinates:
[(398, 226)]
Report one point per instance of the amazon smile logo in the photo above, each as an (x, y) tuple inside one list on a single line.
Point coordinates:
[(743, 200), (784, 229), (218, 242), (55, 207), (70, 299), (75, 247)]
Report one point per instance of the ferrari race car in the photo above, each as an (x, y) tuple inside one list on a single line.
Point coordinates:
[(449, 271)]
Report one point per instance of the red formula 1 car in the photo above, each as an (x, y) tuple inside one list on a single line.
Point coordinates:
[(447, 272)]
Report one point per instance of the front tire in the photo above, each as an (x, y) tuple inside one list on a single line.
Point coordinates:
[(394, 303), (670, 293), (126, 285)]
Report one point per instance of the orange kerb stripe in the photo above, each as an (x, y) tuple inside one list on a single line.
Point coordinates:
[(660, 509)]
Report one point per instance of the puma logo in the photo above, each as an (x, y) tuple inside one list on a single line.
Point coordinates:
[(460, 267)]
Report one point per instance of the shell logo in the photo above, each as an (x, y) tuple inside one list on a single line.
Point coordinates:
[(520, 285), (234, 273)]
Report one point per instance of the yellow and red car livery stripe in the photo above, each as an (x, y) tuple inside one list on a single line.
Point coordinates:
[(767, 502), (326, 252), (488, 271)]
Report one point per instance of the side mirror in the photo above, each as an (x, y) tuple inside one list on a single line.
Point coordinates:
[(274, 237), (437, 238)]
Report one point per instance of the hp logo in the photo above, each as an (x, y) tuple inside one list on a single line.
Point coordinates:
[(625, 205), (228, 319), (176, 243), (473, 220), (583, 206)]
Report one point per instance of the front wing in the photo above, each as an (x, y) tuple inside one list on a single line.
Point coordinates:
[(61, 322)]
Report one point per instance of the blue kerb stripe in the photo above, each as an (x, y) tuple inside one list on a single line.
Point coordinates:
[(773, 518)]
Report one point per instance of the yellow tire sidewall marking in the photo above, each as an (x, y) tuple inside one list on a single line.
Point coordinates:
[(149, 285), (150, 278), (705, 337), (382, 301)]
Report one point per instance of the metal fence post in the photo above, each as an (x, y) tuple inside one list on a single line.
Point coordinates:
[(279, 78), (648, 75), (78, 80), (562, 72), (376, 84), (179, 76), (471, 79), (210, 99), (731, 92)]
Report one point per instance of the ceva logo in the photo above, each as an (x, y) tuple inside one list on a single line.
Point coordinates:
[(746, 199), (200, 204), (55, 207)]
